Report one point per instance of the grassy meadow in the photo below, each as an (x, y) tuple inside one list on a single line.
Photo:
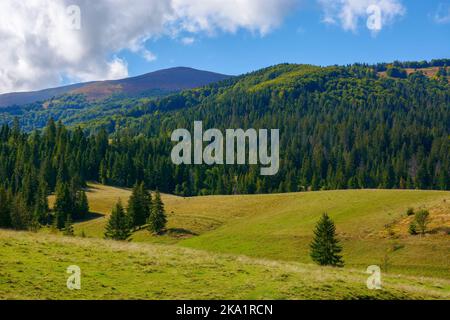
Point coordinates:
[(33, 266), (371, 224), (239, 247)]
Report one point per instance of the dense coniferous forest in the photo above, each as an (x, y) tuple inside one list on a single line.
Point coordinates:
[(340, 127)]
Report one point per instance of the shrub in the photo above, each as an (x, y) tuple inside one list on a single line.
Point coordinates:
[(422, 220), (412, 229)]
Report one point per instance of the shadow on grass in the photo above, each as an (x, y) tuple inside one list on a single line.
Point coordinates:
[(170, 232), (440, 230), (176, 232), (90, 216)]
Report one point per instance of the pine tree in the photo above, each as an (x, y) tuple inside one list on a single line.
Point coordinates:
[(139, 205), (5, 209), (82, 204), (41, 208), (54, 226), (68, 226), (325, 248), (118, 227), (63, 204), (157, 220), (20, 214)]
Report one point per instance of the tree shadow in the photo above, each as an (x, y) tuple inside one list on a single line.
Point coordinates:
[(179, 232), (90, 216), (441, 230)]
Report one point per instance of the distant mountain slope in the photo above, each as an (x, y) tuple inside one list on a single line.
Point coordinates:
[(168, 80), (22, 98)]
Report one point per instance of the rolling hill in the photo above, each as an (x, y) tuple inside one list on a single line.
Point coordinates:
[(371, 224), (162, 81), (33, 266), (239, 247)]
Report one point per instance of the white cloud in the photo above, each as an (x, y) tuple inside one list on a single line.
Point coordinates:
[(148, 55), (349, 14), (187, 40), (39, 48), (442, 14), (259, 16)]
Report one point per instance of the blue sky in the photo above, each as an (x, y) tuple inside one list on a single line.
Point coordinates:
[(304, 38), (48, 43)]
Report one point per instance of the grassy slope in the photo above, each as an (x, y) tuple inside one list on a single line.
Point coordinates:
[(33, 266), (279, 227)]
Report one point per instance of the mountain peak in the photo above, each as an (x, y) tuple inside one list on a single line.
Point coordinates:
[(164, 81)]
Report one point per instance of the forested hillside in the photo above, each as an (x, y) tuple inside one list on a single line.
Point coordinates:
[(340, 127)]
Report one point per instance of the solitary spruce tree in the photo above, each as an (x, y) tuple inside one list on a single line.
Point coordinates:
[(157, 220), (325, 248), (118, 227)]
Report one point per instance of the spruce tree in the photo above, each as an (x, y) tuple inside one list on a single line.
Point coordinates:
[(157, 220), (41, 208), (139, 205), (325, 248), (63, 204), (118, 227), (5, 209), (68, 226), (82, 204), (20, 214)]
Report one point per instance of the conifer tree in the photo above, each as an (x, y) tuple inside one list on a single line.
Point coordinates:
[(157, 220), (118, 227), (82, 204), (41, 208), (5, 209), (68, 226), (20, 214), (325, 248), (63, 204), (139, 205)]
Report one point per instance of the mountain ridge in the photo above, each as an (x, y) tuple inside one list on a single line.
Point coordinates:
[(164, 80)]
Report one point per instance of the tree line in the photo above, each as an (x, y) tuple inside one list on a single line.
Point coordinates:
[(340, 127), (33, 166)]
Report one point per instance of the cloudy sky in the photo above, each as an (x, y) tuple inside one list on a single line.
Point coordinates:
[(48, 43)]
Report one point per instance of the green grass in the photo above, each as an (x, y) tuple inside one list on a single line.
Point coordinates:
[(33, 266), (279, 227), (240, 247)]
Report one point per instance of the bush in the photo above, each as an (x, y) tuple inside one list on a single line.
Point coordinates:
[(422, 220), (410, 212), (412, 229)]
